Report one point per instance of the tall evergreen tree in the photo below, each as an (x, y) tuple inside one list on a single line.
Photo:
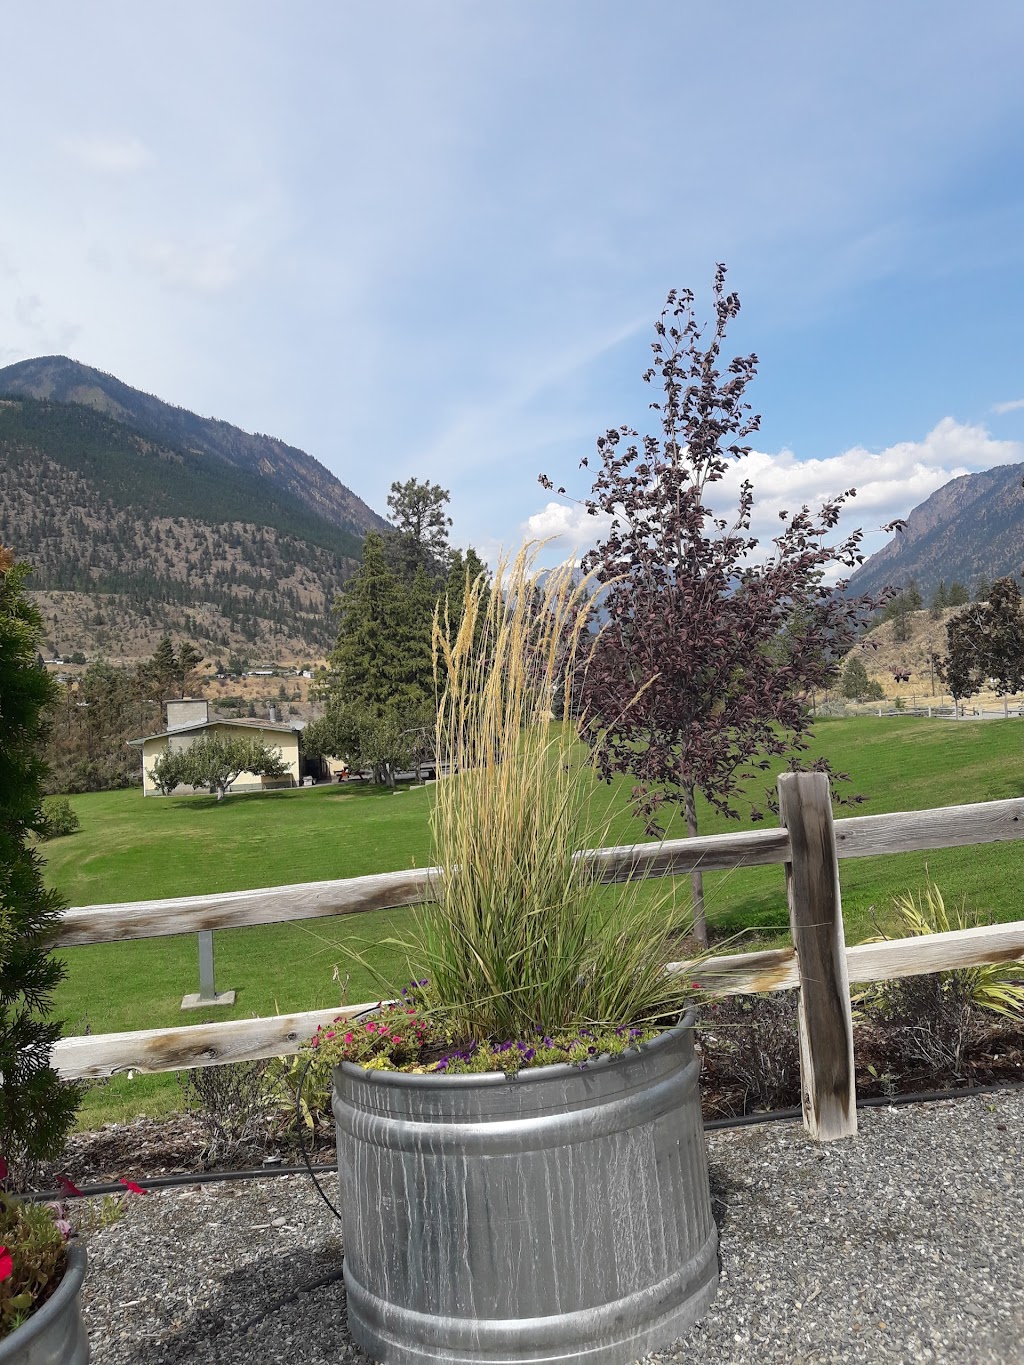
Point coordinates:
[(36, 1109), (420, 538)]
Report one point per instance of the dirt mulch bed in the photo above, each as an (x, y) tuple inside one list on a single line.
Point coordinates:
[(745, 1070)]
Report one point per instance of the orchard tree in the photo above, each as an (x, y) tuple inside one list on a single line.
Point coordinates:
[(985, 643), (687, 688), (36, 1109), (214, 761)]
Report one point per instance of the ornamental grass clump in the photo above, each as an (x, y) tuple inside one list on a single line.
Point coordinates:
[(521, 957)]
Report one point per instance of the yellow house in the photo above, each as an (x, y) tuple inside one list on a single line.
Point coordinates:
[(188, 719)]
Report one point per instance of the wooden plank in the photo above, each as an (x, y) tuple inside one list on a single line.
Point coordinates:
[(936, 952), (704, 853), (180, 1049), (773, 969), (986, 822), (357, 895), (233, 909), (827, 1078)]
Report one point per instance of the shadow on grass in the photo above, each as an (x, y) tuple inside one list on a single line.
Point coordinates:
[(235, 799)]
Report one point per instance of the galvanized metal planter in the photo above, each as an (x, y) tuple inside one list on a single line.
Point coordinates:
[(55, 1334), (560, 1215)]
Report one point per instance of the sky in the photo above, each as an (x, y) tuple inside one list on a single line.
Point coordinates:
[(431, 239)]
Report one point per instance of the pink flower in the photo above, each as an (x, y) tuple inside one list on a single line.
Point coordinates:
[(348, 1037), (68, 1186), (371, 1027), (6, 1264), (131, 1185), (328, 1035)]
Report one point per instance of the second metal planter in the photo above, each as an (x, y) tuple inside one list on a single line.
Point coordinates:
[(55, 1334), (559, 1215)]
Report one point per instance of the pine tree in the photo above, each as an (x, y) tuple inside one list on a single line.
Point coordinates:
[(36, 1109), (163, 668)]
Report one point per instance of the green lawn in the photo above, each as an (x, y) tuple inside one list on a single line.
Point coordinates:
[(130, 848)]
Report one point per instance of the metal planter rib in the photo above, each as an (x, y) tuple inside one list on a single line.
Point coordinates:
[(55, 1334), (558, 1215)]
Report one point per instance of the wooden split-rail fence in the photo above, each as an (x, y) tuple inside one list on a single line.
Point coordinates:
[(818, 964)]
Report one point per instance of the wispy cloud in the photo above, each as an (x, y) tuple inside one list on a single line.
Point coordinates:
[(108, 155), (1014, 405)]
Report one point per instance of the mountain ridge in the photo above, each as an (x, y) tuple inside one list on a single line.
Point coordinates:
[(970, 530), (266, 458)]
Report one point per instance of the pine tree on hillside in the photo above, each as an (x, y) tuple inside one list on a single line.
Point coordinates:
[(36, 1109)]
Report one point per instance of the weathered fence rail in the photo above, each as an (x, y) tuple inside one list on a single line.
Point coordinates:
[(809, 843)]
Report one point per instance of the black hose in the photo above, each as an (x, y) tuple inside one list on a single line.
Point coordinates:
[(302, 1142), (168, 1182)]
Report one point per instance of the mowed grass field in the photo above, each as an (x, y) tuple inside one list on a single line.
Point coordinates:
[(131, 848)]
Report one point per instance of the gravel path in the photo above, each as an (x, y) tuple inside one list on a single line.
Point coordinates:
[(905, 1245)]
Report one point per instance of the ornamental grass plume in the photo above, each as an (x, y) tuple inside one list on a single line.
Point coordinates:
[(520, 937)]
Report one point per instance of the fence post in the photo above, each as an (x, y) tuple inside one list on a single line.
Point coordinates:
[(207, 993), (827, 1078)]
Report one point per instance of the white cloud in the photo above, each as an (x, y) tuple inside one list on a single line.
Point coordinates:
[(1014, 405), (109, 155), (568, 525), (889, 483)]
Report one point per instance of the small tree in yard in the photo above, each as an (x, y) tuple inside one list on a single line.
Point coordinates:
[(36, 1109), (719, 647), (985, 643), (855, 684), (215, 761)]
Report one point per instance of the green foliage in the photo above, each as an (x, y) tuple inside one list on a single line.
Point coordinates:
[(958, 594), (939, 602), (36, 1109), (37, 1250), (214, 761), (379, 686), (89, 723), (986, 643), (995, 987), (61, 817), (420, 540), (855, 684)]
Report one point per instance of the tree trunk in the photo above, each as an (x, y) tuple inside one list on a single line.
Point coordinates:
[(700, 924)]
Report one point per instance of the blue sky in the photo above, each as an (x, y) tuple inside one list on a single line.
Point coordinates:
[(430, 239)]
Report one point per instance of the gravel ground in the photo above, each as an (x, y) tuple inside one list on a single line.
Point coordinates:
[(905, 1245)]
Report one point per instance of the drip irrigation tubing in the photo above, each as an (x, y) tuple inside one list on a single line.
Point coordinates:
[(170, 1182)]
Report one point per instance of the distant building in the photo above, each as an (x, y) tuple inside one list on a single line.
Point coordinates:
[(188, 719)]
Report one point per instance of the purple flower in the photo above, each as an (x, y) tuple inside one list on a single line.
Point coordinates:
[(549, 1042), (529, 1054)]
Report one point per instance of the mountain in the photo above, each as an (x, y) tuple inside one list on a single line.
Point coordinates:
[(130, 536), (268, 462), (971, 529)]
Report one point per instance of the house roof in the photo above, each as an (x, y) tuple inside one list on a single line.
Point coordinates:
[(207, 724)]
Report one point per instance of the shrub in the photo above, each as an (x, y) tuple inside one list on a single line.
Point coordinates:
[(61, 817), (232, 1103), (751, 1050), (37, 1110)]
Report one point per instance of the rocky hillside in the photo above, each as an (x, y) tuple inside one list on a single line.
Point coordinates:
[(264, 459), (130, 538), (971, 529)]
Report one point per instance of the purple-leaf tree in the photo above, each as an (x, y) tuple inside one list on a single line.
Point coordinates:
[(717, 640)]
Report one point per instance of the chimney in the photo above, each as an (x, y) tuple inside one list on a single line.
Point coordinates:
[(182, 714), (272, 713)]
